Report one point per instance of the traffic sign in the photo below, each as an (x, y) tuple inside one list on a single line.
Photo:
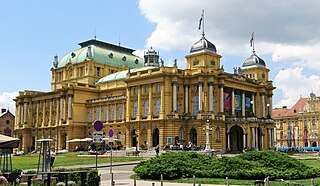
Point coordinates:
[(97, 137), (111, 133), (98, 125)]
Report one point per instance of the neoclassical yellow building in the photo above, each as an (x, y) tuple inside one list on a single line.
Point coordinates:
[(299, 125), (148, 103)]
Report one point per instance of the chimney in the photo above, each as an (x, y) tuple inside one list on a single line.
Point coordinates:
[(3, 110), (284, 107)]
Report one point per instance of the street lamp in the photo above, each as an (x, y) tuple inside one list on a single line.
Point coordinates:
[(268, 106), (252, 111), (208, 148)]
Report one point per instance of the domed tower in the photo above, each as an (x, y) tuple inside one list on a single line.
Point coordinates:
[(151, 58), (254, 67), (203, 54)]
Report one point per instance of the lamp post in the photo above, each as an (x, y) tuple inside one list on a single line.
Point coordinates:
[(252, 111), (208, 148), (268, 106)]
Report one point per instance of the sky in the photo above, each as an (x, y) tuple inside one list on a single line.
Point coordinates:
[(286, 35)]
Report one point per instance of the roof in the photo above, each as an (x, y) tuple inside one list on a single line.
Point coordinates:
[(104, 53), (203, 44), (254, 61), (122, 74), (6, 112), (294, 111)]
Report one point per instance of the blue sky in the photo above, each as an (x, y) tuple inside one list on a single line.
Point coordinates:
[(32, 32)]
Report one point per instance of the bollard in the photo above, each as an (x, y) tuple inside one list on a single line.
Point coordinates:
[(161, 179), (134, 180), (194, 180), (111, 179), (113, 183), (153, 184), (199, 185), (227, 180)]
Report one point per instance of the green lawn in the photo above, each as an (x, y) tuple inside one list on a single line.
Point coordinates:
[(66, 159)]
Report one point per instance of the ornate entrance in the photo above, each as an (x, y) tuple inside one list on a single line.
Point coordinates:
[(155, 137), (236, 138), (193, 136)]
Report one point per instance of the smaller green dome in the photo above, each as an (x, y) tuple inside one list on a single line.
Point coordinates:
[(104, 53), (121, 75)]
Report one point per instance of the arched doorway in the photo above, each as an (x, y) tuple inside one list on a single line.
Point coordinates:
[(143, 137), (193, 136), (236, 138), (134, 138), (176, 140), (314, 144), (155, 137)]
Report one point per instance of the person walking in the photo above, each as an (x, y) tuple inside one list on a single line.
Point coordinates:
[(52, 157), (157, 150)]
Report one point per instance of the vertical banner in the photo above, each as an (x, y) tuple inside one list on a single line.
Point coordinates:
[(237, 102), (227, 100), (248, 104)]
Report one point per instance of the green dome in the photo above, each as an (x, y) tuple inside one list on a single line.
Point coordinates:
[(122, 74), (104, 53)]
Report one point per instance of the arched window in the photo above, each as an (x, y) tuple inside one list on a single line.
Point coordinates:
[(146, 108), (313, 122), (217, 134)]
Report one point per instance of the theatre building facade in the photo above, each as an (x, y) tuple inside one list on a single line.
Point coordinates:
[(147, 103)]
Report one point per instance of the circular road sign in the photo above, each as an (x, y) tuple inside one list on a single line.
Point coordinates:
[(111, 133), (98, 125)]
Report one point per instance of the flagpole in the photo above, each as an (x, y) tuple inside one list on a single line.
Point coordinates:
[(203, 23)]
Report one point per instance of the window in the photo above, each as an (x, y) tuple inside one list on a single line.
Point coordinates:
[(135, 109), (212, 63), (98, 72), (263, 76), (281, 125), (145, 89), (178, 106), (89, 115), (181, 133), (157, 88), (120, 111), (313, 122), (146, 108), (135, 90), (195, 63), (305, 123), (281, 135), (157, 107), (8, 122), (97, 113), (297, 124), (105, 114), (112, 113), (217, 134), (195, 105)]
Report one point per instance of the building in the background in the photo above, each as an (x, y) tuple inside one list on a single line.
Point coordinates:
[(299, 125), (6, 122), (149, 104)]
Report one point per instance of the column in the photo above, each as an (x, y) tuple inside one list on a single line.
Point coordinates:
[(221, 98), (262, 141), (25, 112), (269, 138), (51, 112), (296, 136), (19, 113), (211, 97), (61, 108), (232, 103), (208, 148), (253, 144), (270, 108), (174, 96), (200, 97), (149, 137), (274, 136), (139, 103), (70, 106), (186, 98), (256, 138), (243, 104), (128, 112), (38, 118), (127, 137), (263, 104), (253, 104), (44, 113), (162, 101), (150, 109)]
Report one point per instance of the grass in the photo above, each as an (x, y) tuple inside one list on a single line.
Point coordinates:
[(66, 159)]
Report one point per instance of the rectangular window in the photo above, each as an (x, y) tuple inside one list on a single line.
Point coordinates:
[(157, 88), (120, 111), (112, 113), (135, 90), (135, 109), (146, 108), (98, 72), (195, 63), (90, 115), (97, 113), (146, 89), (105, 114), (157, 107), (212, 63)]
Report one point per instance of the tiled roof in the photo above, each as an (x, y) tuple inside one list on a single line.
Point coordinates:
[(294, 111)]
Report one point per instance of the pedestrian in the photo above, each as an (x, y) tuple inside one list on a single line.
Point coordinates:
[(52, 157), (157, 150)]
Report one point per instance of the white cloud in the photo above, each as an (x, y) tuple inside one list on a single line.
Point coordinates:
[(288, 81), (6, 100)]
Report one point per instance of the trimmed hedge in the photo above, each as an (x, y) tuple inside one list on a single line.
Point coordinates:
[(250, 165)]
